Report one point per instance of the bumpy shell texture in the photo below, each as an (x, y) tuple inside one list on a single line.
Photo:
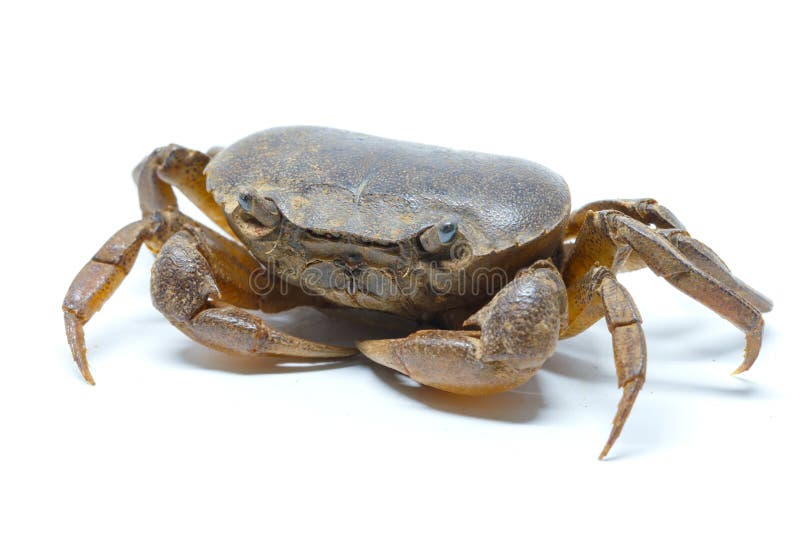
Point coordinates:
[(383, 191)]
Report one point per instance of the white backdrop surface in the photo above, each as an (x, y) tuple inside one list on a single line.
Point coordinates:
[(693, 103)]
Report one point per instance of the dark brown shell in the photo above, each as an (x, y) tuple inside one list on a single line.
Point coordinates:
[(381, 190)]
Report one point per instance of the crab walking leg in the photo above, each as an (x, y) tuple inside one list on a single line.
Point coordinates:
[(95, 284), (99, 278), (187, 286), (519, 331), (183, 168), (606, 235), (648, 211), (707, 260), (174, 165), (597, 294)]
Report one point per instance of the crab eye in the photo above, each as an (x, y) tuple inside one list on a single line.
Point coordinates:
[(246, 201), (447, 230), (263, 210), (436, 237)]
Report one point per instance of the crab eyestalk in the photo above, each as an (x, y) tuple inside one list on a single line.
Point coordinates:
[(264, 210), (436, 238)]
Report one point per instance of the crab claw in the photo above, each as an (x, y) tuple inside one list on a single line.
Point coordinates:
[(447, 360)]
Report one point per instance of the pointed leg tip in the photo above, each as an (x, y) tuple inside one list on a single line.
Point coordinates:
[(609, 444), (83, 367), (629, 393), (742, 368), (77, 345), (87, 376), (750, 357)]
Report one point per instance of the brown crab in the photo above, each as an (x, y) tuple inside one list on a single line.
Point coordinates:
[(481, 249)]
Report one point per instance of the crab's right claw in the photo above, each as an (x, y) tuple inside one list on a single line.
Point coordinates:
[(447, 360)]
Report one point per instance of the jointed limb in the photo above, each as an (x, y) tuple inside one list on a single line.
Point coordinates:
[(607, 235), (705, 259), (620, 235), (97, 281), (101, 276), (650, 212), (231, 264), (191, 285), (646, 210), (183, 168), (518, 333), (598, 294)]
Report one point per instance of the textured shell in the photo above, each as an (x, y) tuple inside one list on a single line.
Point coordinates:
[(381, 190)]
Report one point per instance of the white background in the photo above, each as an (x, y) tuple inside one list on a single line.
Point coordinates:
[(695, 104)]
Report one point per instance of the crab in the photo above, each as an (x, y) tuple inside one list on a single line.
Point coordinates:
[(481, 251)]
